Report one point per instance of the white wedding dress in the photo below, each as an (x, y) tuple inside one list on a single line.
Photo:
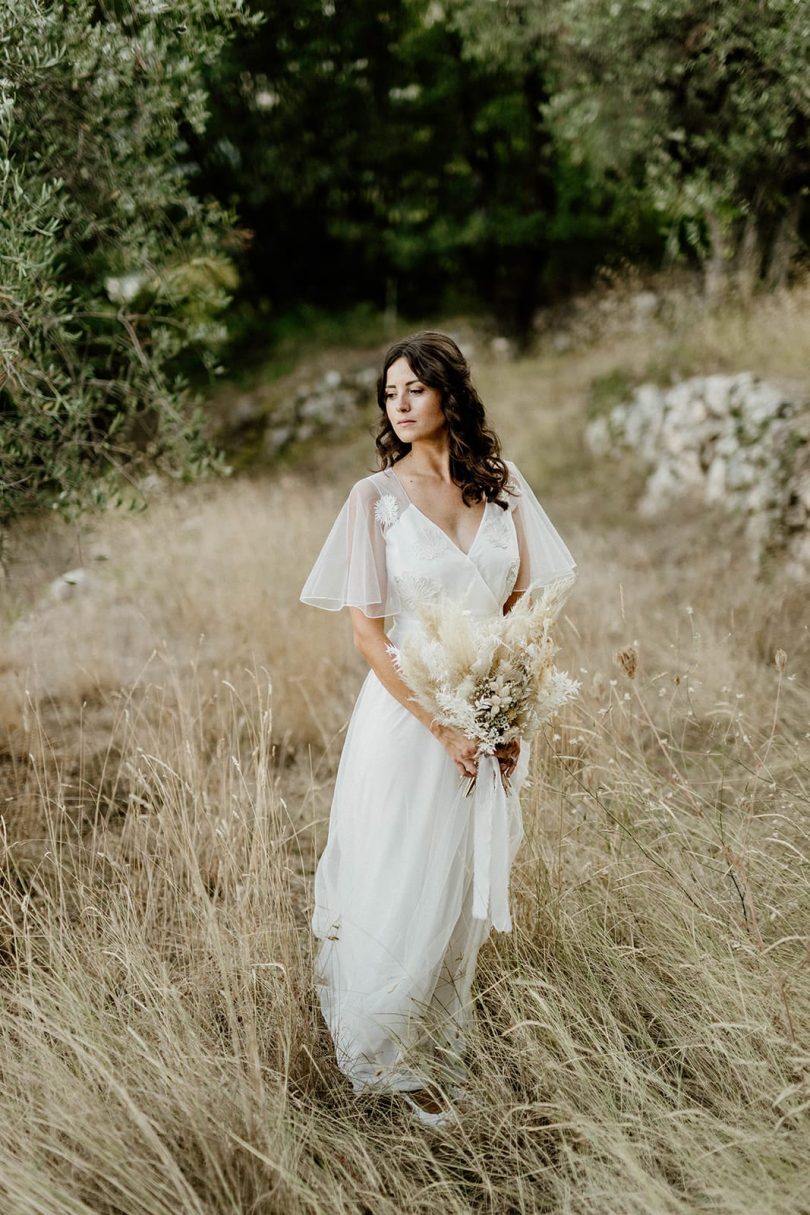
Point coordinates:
[(394, 886)]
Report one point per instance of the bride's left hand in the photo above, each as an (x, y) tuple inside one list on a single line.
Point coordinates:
[(507, 756)]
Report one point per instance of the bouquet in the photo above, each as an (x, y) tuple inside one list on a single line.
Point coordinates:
[(494, 677)]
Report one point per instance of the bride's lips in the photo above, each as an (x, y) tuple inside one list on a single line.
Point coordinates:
[(407, 422)]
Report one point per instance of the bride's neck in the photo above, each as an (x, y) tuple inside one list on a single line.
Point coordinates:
[(429, 458)]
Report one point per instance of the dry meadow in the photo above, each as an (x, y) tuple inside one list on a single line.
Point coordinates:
[(170, 728)]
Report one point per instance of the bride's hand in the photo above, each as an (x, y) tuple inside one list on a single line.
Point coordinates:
[(460, 748), (507, 756)]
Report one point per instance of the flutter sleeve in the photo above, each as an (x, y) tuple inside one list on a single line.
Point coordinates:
[(544, 556), (350, 570)]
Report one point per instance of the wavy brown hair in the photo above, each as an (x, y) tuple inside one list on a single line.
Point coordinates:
[(475, 450)]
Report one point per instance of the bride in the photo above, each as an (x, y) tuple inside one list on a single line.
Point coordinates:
[(445, 515)]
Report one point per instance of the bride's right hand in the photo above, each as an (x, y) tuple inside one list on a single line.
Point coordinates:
[(460, 748)]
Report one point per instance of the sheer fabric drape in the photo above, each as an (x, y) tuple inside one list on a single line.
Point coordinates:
[(351, 568), (394, 912)]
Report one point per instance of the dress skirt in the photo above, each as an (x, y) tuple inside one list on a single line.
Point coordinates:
[(393, 898)]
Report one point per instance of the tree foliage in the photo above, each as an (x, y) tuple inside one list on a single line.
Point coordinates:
[(704, 110), (415, 154), (374, 159), (114, 272)]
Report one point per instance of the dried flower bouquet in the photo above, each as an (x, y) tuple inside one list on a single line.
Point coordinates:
[(494, 677)]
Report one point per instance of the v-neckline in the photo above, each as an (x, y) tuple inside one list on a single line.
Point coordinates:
[(433, 522)]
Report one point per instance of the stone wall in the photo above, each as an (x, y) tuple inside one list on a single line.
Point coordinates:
[(733, 440), (256, 425), (335, 402)]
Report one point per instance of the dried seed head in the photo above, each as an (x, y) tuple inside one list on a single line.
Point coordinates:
[(627, 659), (780, 660)]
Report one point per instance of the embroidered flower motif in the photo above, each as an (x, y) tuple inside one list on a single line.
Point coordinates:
[(431, 542), (511, 576), (386, 511), (497, 527), (416, 589)]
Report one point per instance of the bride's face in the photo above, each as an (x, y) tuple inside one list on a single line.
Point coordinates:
[(414, 409)]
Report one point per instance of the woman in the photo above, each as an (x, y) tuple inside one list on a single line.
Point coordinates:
[(446, 516)]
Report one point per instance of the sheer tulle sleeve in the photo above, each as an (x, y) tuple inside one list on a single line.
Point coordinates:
[(350, 569), (544, 556)]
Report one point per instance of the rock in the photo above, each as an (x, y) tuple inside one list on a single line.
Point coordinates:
[(276, 438), (599, 437), (644, 305), (501, 347), (802, 490), (245, 410), (69, 583), (335, 403), (732, 440), (715, 488)]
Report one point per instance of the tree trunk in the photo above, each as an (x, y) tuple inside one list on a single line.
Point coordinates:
[(748, 261), (785, 245), (716, 265), (528, 264)]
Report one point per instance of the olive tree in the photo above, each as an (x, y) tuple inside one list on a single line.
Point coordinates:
[(702, 110), (113, 273)]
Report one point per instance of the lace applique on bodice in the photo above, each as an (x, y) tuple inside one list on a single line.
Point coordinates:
[(498, 527), (415, 589), (386, 512), (431, 542)]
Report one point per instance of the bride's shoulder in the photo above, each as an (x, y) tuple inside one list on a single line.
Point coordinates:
[(371, 487), (378, 496)]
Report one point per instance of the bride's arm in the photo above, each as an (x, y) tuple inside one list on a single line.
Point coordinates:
[(371, 641), (512, 600)]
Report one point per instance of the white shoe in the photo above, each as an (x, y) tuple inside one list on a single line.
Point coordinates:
[(439, 1118)]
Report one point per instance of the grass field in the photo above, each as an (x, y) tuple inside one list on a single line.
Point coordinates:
[(170, 732)]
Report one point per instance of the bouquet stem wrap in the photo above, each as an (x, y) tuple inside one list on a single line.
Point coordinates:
[(491, 846)]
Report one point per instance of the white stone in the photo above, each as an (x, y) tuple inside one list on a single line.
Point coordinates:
[(245, 409), (716, 393), (731, 439), (645, 303), (802, 489), (597, 437), (501, 347), (277, 437), (69, 583), (716, 480)]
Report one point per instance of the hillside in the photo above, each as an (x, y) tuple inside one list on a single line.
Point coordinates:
[(171, 722)]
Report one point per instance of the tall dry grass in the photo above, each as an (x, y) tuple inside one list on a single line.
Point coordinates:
[(171, 731)]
